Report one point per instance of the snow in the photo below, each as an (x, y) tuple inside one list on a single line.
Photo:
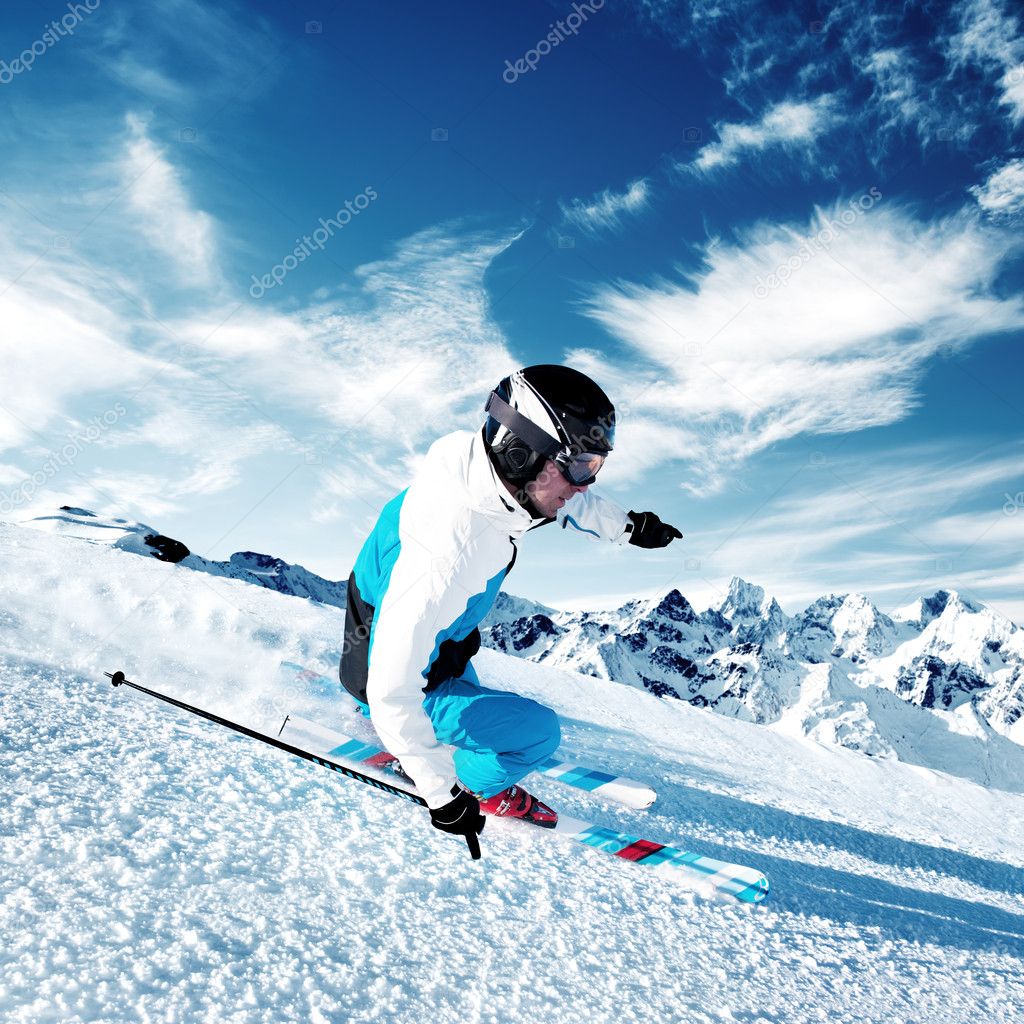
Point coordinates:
[(154, 867)]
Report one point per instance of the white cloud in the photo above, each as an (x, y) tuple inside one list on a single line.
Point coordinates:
[(79, 339), (114, 492), (899, 93), (990, 36), (997, 531), (751, 61), (404, 350), (907, 489), (987, 33), (10, 474), (1012, 84), (836, 347), (60, 345), (231, 51), (213, 431), (605, 210), (405, 357), (349, 487), (377, 373), (788, 125), (149, 80), (1003, 191), (878, 524), (753, 47), (165, 214)]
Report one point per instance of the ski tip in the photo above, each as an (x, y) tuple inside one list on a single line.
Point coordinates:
[(646, 800), (635, 795), (755, 892)]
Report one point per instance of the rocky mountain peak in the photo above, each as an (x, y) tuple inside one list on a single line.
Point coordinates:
[(675, 607), (745, 601)]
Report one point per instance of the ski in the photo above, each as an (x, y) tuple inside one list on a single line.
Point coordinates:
[(327, 743), (746, 884), (693, 869), (628, 792)]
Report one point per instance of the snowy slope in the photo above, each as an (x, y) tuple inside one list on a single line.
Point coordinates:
[(155, 867)]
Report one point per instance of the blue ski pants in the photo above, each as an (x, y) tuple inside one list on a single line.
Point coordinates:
[(499, 737)]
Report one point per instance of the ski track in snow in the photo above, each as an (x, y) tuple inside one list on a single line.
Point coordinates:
[(158, 868)]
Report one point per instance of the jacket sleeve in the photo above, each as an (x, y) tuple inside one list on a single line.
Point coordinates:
[(428, 591), (589, 513)]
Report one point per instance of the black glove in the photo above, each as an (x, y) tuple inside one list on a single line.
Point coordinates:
[(650, 532), (460, 817)]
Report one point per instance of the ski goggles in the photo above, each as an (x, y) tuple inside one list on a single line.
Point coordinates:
[(580, 469)]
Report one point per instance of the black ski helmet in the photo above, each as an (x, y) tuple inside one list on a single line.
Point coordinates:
[(547, 412)]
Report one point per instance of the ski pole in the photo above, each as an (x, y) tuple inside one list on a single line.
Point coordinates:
[(118, 679)]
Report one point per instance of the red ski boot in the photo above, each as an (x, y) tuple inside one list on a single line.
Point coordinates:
[(515, 802)]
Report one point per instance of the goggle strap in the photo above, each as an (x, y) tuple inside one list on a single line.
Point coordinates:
[(526, 430)]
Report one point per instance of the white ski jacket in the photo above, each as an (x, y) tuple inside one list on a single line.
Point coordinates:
[(425, 577)]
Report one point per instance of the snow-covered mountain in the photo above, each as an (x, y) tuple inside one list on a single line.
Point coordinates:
[(156, 867), (938, 684)]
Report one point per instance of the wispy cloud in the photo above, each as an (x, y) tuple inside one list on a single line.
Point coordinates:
[(606, 210), (148, 80), (900, 95), (350, 387), (403, 354), (1012, 84), (933, 72), (786, 125), (880, 524), (367, 378), (877, 523), (228, 48), (988, 32), (990, 36), (911, 487), (206, 430), (60, 343), (1002, 194), (165, 213), (839, 348)]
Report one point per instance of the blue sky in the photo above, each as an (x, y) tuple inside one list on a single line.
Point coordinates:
[(787, 245)]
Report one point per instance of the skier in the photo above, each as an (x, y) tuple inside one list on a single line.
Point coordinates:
[(430, 571)]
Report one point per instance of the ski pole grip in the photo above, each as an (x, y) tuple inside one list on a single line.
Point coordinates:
[(474, 845)]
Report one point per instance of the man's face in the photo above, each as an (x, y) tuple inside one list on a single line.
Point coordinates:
[(550, 490)]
